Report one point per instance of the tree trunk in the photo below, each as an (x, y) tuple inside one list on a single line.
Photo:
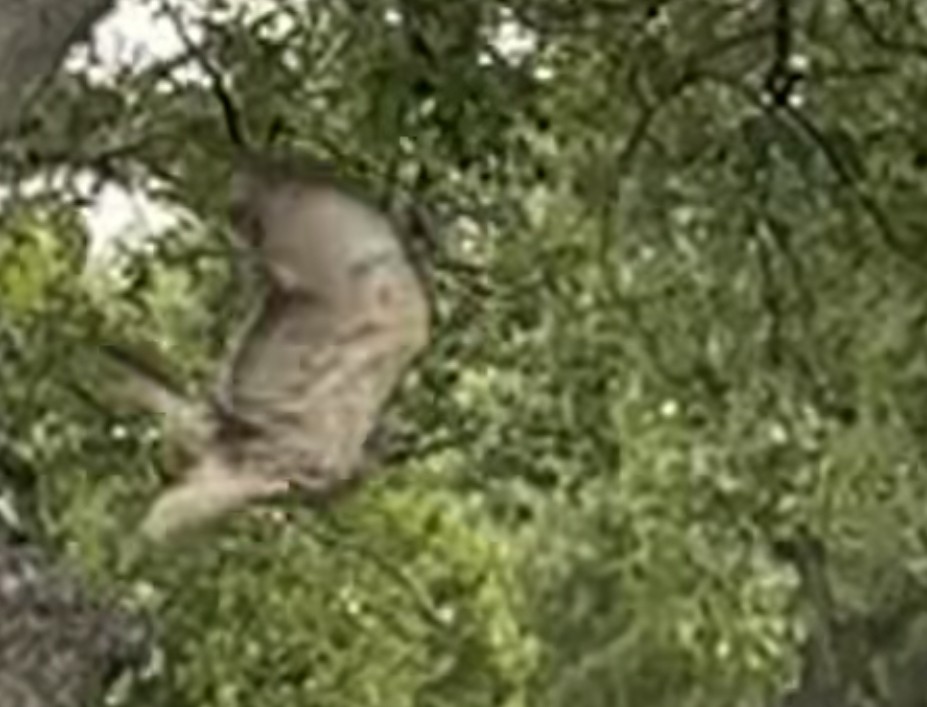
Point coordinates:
[(58, 646), (35, 36)]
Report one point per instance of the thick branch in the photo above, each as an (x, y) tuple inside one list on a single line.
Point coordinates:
[(58, 647), (35, 36)]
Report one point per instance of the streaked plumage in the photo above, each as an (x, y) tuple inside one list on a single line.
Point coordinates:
[(343, 317)]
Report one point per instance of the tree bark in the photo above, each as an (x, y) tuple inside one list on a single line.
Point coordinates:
[(35, 36), (58, 646)]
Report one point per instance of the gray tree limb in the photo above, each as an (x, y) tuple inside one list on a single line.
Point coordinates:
[(59, 647), (35, 36)]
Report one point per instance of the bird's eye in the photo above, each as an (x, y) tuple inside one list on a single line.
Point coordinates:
[(246, 222)]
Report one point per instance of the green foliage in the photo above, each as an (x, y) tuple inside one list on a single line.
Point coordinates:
[(667, 447)]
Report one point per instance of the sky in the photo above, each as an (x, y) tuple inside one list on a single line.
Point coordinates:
[(130, 35)]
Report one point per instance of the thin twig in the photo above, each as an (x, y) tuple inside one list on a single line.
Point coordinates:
[(230, 113)]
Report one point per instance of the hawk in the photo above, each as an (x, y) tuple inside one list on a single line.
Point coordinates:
[(342, 315)]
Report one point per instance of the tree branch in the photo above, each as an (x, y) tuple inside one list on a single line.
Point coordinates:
[(35, 36)]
